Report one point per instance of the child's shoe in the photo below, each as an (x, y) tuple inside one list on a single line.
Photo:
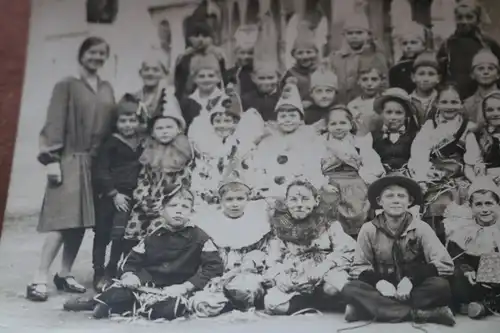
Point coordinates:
[(34, 294), (476, 310), (85, 303), (101, 311)]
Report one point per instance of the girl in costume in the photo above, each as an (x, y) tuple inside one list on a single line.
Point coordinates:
[(309, 255), (231, 134), (350, 166), (437, 156), (165, 165), (473, 231)]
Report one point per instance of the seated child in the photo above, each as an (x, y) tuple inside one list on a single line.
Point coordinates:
[(400, 267), (413, 42), (206, 75), (349, 166), (291, 149), (392, 139), (359, 51), (425, 75), (457, 51), (324, 87), (200, 38), (485, 72), (241, 230), (153, 74), (265, 95), (309, 256), (116, 171), (230, 133), (471, 232), (371, 82), (176, 259), (165, 164), (437, 156), (306, 54)]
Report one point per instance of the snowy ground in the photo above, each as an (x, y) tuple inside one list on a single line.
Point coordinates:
[(19, 249)]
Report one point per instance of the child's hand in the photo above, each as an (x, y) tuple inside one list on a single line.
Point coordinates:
[(176, 290), (121, 202), (130, 280), (480, 169)]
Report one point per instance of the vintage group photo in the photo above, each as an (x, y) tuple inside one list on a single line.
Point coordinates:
[(286, 165)]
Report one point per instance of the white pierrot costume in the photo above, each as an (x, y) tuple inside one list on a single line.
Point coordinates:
[(281, 157), (213, 152)]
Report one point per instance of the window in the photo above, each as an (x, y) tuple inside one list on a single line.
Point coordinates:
[(102, 11)]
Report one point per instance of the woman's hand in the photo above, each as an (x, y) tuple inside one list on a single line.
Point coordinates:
[(121, 202), (54, 174)]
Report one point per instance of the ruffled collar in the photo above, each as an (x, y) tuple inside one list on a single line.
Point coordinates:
[(462, 229), (203, 101)]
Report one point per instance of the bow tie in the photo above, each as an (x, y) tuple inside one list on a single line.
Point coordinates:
[(493, 130), (393, 134)]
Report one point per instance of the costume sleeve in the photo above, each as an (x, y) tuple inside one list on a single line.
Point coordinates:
[(211, 265), (343, 246), (472, 154), (52, 136), (134, 262), (362, 267), (103, 177), (249, 131), (435, 253), (371, 166), (419, 163)]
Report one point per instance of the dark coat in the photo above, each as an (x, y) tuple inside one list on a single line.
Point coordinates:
[(400, 75), (263, 103), (241, 76), (166, 258)]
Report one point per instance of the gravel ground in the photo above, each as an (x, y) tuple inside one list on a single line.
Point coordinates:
[(19, 250)]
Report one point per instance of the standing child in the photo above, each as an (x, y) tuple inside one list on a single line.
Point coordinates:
[(425, 75), (177, 258), (265, 95), (437, 156), (324, 87), (413, 42), (350, 166), (165, 163), (393, 138), (359, 51), (306, 54), (371, 81), (115, 175), (485, 72), (230, 133), (206, 75), (456, 53), (201, 46), (153, 73)]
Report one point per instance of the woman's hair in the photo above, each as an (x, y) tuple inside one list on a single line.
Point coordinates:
[(302, 183), (493, 194), (348, 114), (157, 61), (89, 43)]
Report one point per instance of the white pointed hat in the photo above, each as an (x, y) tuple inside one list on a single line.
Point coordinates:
[(169, 108), (229, 102), (290, 96), (233, 174), (324, 77)]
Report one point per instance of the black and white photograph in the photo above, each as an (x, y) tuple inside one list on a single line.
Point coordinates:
[(256, 166)]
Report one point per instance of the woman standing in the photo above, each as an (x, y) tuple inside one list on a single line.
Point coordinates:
[(78, 118)]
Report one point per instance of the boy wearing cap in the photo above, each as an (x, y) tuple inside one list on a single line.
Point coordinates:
[(400, 265), (324, 88), (413, 42), (485, 72), (240, 229), (177, 258), (358, 51), (306, 54), (115, 176), (201, 45), (206, 77), (456, 53), (425, 76)]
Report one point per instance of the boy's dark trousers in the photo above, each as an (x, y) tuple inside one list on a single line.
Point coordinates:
[(110, 226)]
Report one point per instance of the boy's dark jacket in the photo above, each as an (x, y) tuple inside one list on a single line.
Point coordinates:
[(241, 76), (263, 103), (400, 75), (166, 258), (117, 166)]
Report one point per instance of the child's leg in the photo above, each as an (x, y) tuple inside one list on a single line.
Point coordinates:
[(117, 299), (105, 210), (120, 220)]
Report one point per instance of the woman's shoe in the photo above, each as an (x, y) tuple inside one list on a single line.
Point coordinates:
[(68, 284), (35, 295)]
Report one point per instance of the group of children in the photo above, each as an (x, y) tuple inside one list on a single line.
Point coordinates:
[(249, 189)]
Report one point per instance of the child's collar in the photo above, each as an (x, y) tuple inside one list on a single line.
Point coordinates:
[(197, 97)]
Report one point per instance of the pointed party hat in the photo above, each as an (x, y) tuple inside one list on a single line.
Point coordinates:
[(266, 46), (290, 96), (169, 107)]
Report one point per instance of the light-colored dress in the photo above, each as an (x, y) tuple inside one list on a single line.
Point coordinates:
[(78, 118)]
